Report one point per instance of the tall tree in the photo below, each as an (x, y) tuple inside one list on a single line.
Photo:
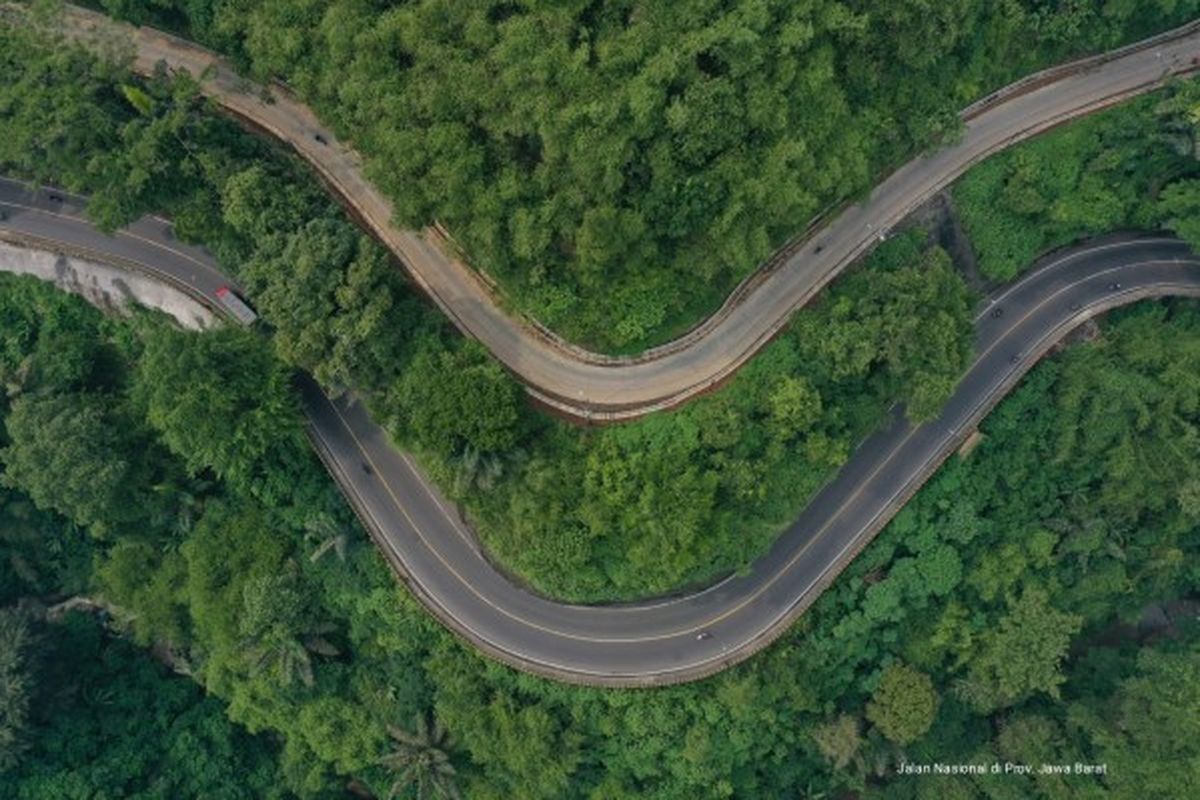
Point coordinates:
[(1148, 733), (839, 740), (68, 454), (221, 401), (457, 399), (1022, 655), (903, 704), (420, 759), (281, 635)]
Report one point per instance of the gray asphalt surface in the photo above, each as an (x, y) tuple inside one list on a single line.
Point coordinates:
[(658, 641), (598, 387), (57, 217)]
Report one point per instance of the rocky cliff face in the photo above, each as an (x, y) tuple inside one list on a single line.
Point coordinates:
[(104, 286)]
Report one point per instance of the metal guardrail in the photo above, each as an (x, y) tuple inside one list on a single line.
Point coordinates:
[(32, 242), (573, 407), (747, 285)]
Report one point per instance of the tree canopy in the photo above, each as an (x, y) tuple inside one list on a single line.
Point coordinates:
[(903, 705), (110, 722), (222, 403), (1077, 511), (984, 601), (619, 165), (67, 453)]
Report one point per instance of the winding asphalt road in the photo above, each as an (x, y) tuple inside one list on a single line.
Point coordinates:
[(675, 639), (603, 388)]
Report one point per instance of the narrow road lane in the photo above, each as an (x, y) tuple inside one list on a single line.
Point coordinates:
[(602, 388), (673, 639)]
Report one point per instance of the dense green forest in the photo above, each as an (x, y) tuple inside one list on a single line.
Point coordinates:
[(101, 719), (1127, 168), (619, 165), (340, 309), (756, 450), (978, 626)]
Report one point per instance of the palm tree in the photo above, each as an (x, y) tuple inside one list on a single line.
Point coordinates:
[(280, 633), (22, 534), (290, 655), (327, 535), (475, 469), (190, 504), (419, 759), (185, 505), (809, 793), (285, 655)]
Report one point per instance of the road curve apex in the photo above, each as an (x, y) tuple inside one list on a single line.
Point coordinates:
[(597, 388)]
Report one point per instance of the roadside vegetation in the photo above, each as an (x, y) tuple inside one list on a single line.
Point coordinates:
[(619, 166), (1132, 167), (581, 514), (620, 512), (976, 626), (145, 468), (104, 720)]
